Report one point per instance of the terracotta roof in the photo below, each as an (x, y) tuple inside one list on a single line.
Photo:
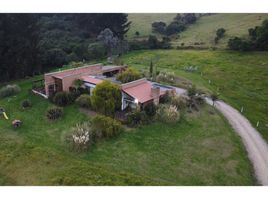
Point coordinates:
[(141, 91), (91, 79), (67, 72), (109, 68)]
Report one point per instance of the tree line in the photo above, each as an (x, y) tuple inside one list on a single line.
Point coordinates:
[(257, 39), (34, 43)]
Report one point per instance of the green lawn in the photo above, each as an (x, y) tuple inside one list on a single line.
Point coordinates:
[(200, 150), (241, 78)]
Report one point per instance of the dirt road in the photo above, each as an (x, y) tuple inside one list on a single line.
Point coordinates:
[(256, 146)]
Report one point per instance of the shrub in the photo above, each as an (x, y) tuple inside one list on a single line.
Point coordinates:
[(168, 77), (9, 90), (192, 91), (106, 98), (129, 75), (26, 103), (168, 114), (150, 109), (194, 102), (81, 137), (179, 101), (106, 127), (166, 98), (239, 44), (63, 98), (84, 101), (136, 118), (96, 50), (54, 113)]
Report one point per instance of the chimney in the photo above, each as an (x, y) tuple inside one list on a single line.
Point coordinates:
[(155, 93)]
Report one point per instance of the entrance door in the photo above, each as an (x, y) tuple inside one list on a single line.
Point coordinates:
[(58, 84)]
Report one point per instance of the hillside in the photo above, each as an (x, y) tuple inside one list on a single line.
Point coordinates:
[(142, 22), (202, 33), (204, 30), (240, 78)]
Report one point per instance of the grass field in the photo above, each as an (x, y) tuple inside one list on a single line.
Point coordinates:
[(143, 22), (200, 150), (241, 78), (203, 31)]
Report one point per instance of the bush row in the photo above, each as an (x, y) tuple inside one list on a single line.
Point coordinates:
[(9, 90)]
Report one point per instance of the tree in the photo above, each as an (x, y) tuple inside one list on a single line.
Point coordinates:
[(92, 24), (239, 44), (188, 18), (151, 69), (106, 98), (107, 38), (137, 33), (96, 50), (219, 34), (152, 42), (159, 27), (19, 35), (130, 74), (175, 27)]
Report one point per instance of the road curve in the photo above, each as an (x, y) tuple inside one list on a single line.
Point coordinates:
[(256, 146)]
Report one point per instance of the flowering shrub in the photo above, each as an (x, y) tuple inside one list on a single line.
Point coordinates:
[(168, 77), (82, 137), (168, 114), (9, 90)]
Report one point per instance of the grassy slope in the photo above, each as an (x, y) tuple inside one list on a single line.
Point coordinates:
[(241, 78), (143, 22), (204, 31), (193, 152)]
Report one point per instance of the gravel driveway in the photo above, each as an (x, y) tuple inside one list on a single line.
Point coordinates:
[(256, 146)]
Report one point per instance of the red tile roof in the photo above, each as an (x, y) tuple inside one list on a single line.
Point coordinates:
[(91, 79), (73, 71), (141, 91)]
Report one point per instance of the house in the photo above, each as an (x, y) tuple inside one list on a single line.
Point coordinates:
[(136, 93), (63, 80)]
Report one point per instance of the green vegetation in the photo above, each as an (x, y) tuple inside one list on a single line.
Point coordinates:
[(9, 90), (106, 127), (84, 101), (143, 23), (193, 152), (240, 78), (130, 74), (106, 98), (202, 33)]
